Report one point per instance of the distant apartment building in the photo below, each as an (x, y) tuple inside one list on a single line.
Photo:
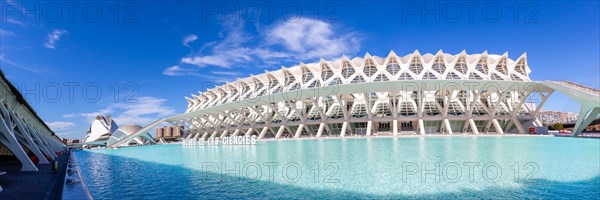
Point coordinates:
[(169, 133), (70, 141), (553, 117)]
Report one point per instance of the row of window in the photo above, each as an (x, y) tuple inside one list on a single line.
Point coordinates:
[(357, 111), (369, 70), (430, 126)]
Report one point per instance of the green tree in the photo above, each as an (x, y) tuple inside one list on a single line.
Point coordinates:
[(558, 126)]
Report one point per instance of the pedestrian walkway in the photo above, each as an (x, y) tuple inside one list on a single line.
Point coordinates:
[(22, 185)]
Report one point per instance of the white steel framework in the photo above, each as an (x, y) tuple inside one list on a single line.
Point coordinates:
[(413, 94), (21, 129)]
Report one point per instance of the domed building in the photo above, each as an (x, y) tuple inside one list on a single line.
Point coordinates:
[(129, 129), (100, 130), (105, 131)]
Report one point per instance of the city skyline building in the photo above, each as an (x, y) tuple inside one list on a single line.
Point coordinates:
[(548, 117)]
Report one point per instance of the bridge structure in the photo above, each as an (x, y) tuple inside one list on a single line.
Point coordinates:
[(587, 97), (442, 93), (22, 130)]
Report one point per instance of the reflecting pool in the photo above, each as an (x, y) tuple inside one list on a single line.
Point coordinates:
[(410, 167)]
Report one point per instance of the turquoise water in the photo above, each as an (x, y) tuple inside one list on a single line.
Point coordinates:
[(421, 167)]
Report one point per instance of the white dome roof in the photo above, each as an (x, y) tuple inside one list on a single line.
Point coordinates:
[(130, 128), (101, 126)]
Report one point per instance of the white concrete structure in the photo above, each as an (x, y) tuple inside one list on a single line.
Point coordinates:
[(126, 130), (588, 98), (413, 94), (21, 129), (101, 129)]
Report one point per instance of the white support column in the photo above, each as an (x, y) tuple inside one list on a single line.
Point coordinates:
[(280, 131), (519, 125), (53, 147), (207, 134), (214, 134), (448, 126), (34, 148), (421, 127), (263, 132), (369, 127), (37, 136), (473, 126), (224, 133), (204, 135), (395, 127), (344, 129), (497, 127), (487, 126), (197, 136), (249, 132), (321, 128), (299, 131), (25, 132), (51, 151), (587, 114), (538, 123), (10, 141), (236, 132)]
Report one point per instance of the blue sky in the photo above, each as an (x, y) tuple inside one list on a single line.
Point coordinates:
[(137, 59)]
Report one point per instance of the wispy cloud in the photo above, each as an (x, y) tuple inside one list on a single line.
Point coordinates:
[(189, 39), (16, 22), (226, 73), (179, 71), (59, 126), (146, 110), (14, 64), (53, 38), (217, 76), (226, 52), (5, 32), (281, 43), (22, 11), (311, 39)]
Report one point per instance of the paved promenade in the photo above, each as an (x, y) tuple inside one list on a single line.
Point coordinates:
[(43, 184)]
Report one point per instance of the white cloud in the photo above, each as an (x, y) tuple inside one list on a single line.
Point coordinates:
[(14, 64), (16, 22), (179, 71), (216, 60), (54, 37), (89, 117), (226, 73), (229, 51), (69, 115), (219, 76), (5, 32), (145, 110), (189, 39), (57, 126), (280, 44), (313, 39)]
